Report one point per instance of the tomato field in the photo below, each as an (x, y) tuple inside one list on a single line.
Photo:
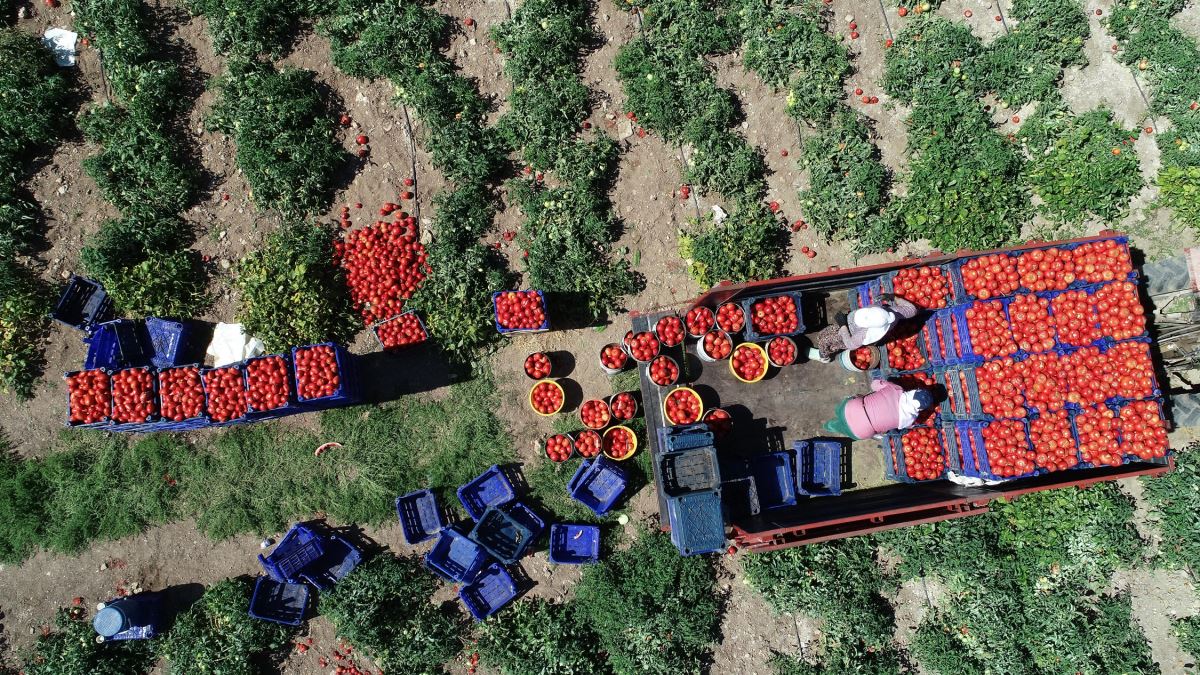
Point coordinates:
[(474, 197)]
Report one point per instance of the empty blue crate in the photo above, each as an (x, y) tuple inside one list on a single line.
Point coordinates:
[(689, 471), (348, 391), (748, 303), (574, 544), (697, 522), (491, 590), (168, 341), (740, 497), (774, 476), (419, 514), (818, 467), (117, 344), (279, 602), (83, 304), (295, 551), (455, 557), (338, 558), (507, 533), (598, 484), (671, 439), (490, 488)]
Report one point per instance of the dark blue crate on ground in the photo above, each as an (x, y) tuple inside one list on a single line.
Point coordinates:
[(774, 476), (298, 548), (818, 467), (490, 488), (491, 590), (168, 341), (279, 602), (375, 330), (117, 344), (598, 484), (338, 559), (83, 304), (509, 331), (507, 533), (106, 422), (739, 496), (689, 470), (420, 516), (753, 335), (292, 406), (455, 557), (349, 391), (697, 522), (199, 421), (207, 396), (671, 439), (572, 544)]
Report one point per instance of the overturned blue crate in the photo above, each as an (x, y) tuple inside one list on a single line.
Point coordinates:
[(672, 439), (491, 590), (598, 484), (490, 488), (774, 476), (83, 304), (507, 532), (818, 467), (739, 496), (338, 559), (420, 516), (455, 557), (691, 470), (572, 544), (168, 341), (697, 522), (304, 555), (279, 602)]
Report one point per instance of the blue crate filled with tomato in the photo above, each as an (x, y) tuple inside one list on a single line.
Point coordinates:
[(926, 286), (520, 312), (326, 376), (181, 399), (270, 392), (135, 405), (1141, 430), (225, 394), (996, 450), (772, 315), (398, 332), (89, 399), (915, 454)]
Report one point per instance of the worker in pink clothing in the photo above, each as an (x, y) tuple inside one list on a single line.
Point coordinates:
[(888, 407)]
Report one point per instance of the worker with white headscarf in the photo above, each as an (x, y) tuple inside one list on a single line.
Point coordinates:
[(865, 326)]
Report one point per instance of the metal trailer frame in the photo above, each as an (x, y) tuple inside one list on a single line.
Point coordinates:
[(882, 508)]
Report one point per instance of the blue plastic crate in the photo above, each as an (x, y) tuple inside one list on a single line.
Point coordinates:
[(379, 340), (969, 439), (491, 590), (155, 417), (198, 422), (507, 533), (227, 423), (598, 484), (348, 392), (739, 496), (753, 335), (572, 544), (673, 439), (298, 548), (419, 514), (1155, 389), (117, 344), (338, 559), (168, 341), (106, 422), (1051, 295), (1116, 408), (774, 475), (887, 283), (689, 470), (818, 467), (455, 557), (83, 304), (697, 522), (292, 406), (509, 331), (893, 441), (490, 488), (279, 602)]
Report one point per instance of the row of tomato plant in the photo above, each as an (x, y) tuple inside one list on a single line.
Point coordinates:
[(570, 226), (403, 43), (36, 100), (142, 167), (671, 90)]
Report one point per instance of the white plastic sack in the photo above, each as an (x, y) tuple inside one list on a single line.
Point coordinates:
[(230, 344), (62, 43)]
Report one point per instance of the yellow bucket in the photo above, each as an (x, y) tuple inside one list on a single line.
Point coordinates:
[(632, 437), (761, 352), (556, 386), (667, 416)]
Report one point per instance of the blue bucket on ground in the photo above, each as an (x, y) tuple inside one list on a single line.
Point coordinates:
[(490, 488), (492, 589), (572, 544), (135, 617), (419, 514), (277, 602)]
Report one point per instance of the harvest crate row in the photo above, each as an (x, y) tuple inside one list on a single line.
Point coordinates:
[(180, 398)]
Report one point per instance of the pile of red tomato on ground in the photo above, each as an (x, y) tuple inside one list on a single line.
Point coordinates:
[(385, 263)]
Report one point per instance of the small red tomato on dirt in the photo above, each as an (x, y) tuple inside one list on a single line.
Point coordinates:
[(344, 120), (361, 139)]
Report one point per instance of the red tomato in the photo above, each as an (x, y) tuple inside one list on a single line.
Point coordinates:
[(991, 276), (669, 330), (268, 383), (1101, 261), (624, 406), (1032, 327), (924, 454), (781, 351), (748, 362), (925, 287), (385, 263), (133, 395), (1046, 378), (719, 422), (1143, 433), (1001, 388), (520, 310), (988, 328), (1075, 319), (1120, 310), (663, 371), (618, 442), (401, 331), (731, 318), (89, 397), (1097, 429), (1007, 448), (1051, 269), (595, 414), (613, 357), (717, 344), (546, 398), (1053, 445), (774, 316), (903, 354), (861, 358), (642, 346)]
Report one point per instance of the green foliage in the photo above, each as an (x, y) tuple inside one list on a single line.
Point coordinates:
[(930, 57), (750, 244), (141, 79), (1179, 189), (792, 51), (1188, 632), (138, 260), (20, 229), (1175, 503), (538, 637), (291, 291), (570, 229), (1073, 168), (840, 583), (73, 650), (846, 184), (247, 28), (653, 610), (1026, 63), (34, 97), (25, 304), (695, 27), (285, 135), (383, 606), (217, 635), (725, 162)]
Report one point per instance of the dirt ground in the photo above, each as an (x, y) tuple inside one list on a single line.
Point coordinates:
[(228, 225)]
